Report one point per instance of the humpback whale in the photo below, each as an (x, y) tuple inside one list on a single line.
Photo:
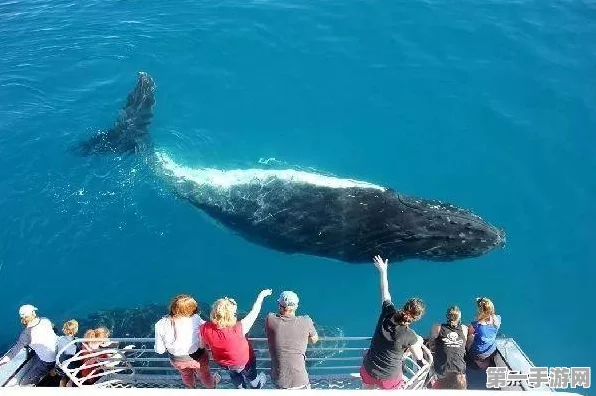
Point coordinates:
[(300, 212)]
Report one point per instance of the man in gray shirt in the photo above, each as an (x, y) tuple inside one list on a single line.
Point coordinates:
[(288, 336)]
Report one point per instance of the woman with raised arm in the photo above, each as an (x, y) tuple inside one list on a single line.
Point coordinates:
[(227, 338), (393, 337)]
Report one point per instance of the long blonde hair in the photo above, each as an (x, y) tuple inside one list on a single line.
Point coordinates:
[(223, 312), (486, 309)]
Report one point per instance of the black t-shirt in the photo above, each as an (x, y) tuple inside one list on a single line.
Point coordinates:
[(450, 350), (384, 358)]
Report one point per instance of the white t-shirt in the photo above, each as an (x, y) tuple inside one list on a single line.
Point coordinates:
[(39, 336), (187, 339)]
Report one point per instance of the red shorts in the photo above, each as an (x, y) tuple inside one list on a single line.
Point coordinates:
[(392, 383)]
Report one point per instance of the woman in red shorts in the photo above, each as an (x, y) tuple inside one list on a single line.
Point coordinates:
[(382, 364)]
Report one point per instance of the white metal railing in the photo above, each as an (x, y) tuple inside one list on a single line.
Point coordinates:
[(132, 362)]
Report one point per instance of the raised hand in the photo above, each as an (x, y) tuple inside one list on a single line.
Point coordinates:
[(380, 264), (265, 293)]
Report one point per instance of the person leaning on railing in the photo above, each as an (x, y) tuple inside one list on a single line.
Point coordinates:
[(104, 333), (227, 339), (393, 337), (482, 334), (70, 330), (288, 336), (97, 356), (178, 334), (90, 358), (39, 335), (447, 341)]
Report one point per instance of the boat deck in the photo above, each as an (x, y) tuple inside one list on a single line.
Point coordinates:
[(332, 363)]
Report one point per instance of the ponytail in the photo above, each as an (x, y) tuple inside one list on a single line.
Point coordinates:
[(412, 311), (454, 316), (486, 308)]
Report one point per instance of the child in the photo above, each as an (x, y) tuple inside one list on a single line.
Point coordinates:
[(107, 344), (89, 365), (104, 332), (70, 329)]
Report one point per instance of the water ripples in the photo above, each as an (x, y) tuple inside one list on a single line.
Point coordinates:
[(419, 95)]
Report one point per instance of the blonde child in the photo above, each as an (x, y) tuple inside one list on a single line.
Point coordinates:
[(66, 351)]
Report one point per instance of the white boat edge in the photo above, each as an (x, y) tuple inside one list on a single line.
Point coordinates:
[(231, 392), (510, 355)]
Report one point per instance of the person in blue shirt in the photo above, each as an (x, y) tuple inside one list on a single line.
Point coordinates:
[(482, 334)]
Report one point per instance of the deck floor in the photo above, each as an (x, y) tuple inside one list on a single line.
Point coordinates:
[(476, 381)]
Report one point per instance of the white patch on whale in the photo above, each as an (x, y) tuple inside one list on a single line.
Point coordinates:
[(227, 178)]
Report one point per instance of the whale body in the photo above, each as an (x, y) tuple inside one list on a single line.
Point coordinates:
[(300, 212)]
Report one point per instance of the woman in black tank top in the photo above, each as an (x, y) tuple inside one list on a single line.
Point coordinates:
[(448, 343)]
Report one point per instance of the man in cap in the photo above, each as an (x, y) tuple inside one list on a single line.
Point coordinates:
[(39, 335), (288, 336)]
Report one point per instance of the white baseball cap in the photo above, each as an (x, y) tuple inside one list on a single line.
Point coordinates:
[(288, 299), (26, 310)]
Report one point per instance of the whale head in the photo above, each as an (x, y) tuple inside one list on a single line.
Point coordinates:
[(440, 231)]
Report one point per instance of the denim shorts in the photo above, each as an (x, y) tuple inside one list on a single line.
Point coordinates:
[(246, 377)]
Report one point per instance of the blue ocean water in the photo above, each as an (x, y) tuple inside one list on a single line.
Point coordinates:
[(488, 105)]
